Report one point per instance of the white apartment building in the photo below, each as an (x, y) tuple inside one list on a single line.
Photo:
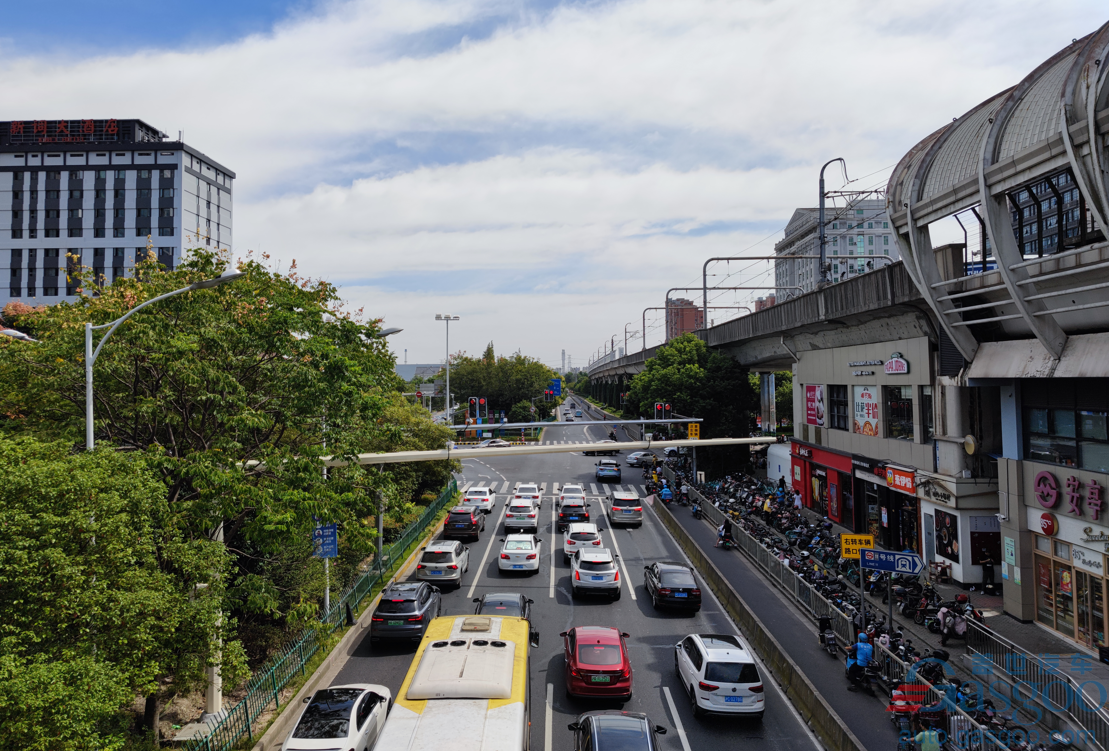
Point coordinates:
[(99, 193), (855, 234)]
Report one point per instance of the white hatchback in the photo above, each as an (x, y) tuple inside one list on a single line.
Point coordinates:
[(482, 498), (349, 716), (718, 672), (580, 536), (520, 553), (571, 490), (521, 515), (529, 491)]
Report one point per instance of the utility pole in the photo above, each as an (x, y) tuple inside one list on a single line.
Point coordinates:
[(823, 276)]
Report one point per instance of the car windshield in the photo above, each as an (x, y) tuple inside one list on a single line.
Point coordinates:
[(599, 654), (328, 714), (518, 545), (677, 579), (528, 490), (596, 566), (624, 502), (519, 509), (584, 536), (621, 734), (437, 558), (396, 606), (731, 672), (501, 607)]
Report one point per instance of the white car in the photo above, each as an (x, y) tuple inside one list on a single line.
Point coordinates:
[(718, 672), (580, 536), (571, 491), (483, 498), (595, 572), (348, 716), (521, 516), (639, 458), (529, 491), (520, 553)]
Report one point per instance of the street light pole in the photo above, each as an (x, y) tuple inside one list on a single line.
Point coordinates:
[(823, 235), (447, 317), (91, 354)]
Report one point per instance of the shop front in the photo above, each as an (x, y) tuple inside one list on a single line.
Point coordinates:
[(1069, 571), (824, 480), (886, 504)]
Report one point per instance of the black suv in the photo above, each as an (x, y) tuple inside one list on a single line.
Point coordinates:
[(404, 611), (610, 728), (572, 511), (671, 583), (464, 521)]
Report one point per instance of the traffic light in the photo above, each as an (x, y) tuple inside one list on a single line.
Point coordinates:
[(482, 407), (472, 411), (666, 411), (658, 410)]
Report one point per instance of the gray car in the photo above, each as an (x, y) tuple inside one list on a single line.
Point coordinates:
[(626, 508), (444, 561), (404, 611)]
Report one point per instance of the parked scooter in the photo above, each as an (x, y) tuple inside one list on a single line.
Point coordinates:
[(697, 511)]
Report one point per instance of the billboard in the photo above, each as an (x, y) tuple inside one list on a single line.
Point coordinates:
[(866, 410), (814, 405)]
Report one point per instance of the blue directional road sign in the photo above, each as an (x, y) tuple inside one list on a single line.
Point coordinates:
[(899, 563), (556, 386), (326, 540)]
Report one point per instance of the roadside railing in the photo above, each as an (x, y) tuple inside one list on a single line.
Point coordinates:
[(266, 685)]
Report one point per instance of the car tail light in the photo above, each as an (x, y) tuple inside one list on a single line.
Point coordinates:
[(756, 689), (375, 619), (706, 686), (696, 592), (531, 557), (418, 565), (664, 591), (617, 578), (626, 672), (531, 516), (574, 672), (561, 514), (637, 508), (596, 542), (416, 619), (577, 575), (504, 556), (453, 567)]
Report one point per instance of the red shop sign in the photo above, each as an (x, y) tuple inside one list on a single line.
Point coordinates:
[(1049, 525), (1048, 493), (899, 479)]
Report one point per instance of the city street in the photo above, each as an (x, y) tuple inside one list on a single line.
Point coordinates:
[(657, 691)]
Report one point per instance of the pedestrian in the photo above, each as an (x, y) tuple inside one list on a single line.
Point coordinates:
[(797, 499), (766, 509), (987, 571), (929, 739)]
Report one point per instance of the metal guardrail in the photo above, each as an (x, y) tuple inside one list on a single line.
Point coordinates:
[(265, 687)]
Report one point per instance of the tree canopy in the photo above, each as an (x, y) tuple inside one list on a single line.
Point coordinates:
[(504, 381)]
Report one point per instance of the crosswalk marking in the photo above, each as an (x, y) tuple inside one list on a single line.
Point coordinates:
[(504, 488), (594, 488), (542, 488), (466, 487)]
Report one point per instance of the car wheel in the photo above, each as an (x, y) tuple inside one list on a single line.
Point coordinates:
[(617, 595), (693, 705), (654, 602), (573, 591)]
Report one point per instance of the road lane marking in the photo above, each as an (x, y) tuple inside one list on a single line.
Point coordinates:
[(548, 723), (594, 488), (466, 487), (554, 545), (677, 720), (504, 488), (619, 555), (485, 555)]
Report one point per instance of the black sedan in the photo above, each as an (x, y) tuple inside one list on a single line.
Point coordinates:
[(673, 584), (464, 522), (610, 728), (404, 611), (504, 603)]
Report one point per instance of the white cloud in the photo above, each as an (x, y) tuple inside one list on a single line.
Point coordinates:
[(549, 151)]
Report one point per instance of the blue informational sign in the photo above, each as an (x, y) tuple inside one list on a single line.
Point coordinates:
[(325, 537), (556, 386), (900, 563)]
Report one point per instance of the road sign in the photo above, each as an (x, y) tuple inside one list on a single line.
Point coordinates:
[(882, 560), (325, 537), (419, 395), (694, 430), (556, 386), (850, 545)]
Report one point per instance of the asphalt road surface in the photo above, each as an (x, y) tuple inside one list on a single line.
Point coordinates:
[(656, 690)]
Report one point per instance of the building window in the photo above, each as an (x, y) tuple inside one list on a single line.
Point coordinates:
[(870, 225), (835, 225), (32, 233), (165, 232), (53, 175), (17, 177), (118, 232), (76, 233), (54, 194), (51, 233), (76, 194), (76, 175), (165, 192), (169, 212), (98, 232), (839, 402), (869, 241), (885, 225), (120, 193), (144, 174), (100, 213), (101, 193), (167, 174), (835, 242), (17, 234), (858, 212), (899, 412), (102, 174), (144, 193), (117, 253), (17, 195), (121, 174), (146, 212), (75, 213), (927, 419), (142, 231), (1066, 422), (120, 214), (886, 240)]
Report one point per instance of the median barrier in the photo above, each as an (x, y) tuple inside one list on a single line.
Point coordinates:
[(815, 711)]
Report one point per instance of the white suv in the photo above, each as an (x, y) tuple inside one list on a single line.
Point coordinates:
[(529, 491), (719, 673), (571, 491), (580, 536), (521, 516), (482, 498), (595, 572), (444, 561)]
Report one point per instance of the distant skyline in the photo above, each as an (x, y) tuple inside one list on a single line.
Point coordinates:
[(545, 170)]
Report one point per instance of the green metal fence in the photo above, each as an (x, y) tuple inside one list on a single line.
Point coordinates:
[(275, 674)]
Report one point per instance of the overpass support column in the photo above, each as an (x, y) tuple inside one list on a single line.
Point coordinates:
[(767, 393)]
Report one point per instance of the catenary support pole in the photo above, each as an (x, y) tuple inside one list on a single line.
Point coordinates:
[(823, 276)]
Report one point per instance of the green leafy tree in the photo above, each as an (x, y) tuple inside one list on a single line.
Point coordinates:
[(504, 381), (521, 412), (99, 596)]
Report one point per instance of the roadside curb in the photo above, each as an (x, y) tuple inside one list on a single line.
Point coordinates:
[(279, 729), (814, 709)]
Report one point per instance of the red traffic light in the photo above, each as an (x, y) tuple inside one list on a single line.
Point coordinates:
[(658, 407), (481, 401), (667, 407)]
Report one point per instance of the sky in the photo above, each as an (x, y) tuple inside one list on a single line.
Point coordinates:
[(545, 170)]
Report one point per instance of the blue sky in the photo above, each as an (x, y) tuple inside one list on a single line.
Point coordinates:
[(523, 163)]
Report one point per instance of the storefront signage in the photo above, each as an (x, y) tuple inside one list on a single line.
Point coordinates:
[(814, 405), (1091, 536), (863, 363), (902, 480), (849, 545), (866, 410), (1049, 494), (1049, 525), (1010, 551), (934, 491), (897, 365), (804, 451), (1087, 559), (862, 372)]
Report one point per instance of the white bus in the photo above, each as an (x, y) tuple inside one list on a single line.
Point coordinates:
[(467, 688)]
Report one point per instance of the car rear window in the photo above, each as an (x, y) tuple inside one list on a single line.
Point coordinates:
[(501, 608), (599, 654), (519, 509), (328, 714), (528, 490), (389, 606), (732, 672), (584, 536), (678, 579), (625, 502), (438, 558), (573, 503), (596, 566), (461, 516), (621, 734), (477, 494), (518, 545)]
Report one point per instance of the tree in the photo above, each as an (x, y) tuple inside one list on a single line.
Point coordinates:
[(504, 381), (99, 596), (521, 412), (701, 383)]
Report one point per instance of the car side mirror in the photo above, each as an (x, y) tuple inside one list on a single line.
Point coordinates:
[(625, 635), (563, 634), (574, 727), (436, 590), (533, 638), (537, 539), (477, 599), (646, 568), (529, 601), (660, 730), (678, 645), (307, 699), (501, 540)]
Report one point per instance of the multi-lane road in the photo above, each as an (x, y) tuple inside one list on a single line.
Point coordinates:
[(656, 690)]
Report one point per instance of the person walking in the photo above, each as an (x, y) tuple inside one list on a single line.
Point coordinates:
[(797, 499)]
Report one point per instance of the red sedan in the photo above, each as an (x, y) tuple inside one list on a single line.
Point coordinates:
[(597, 663)]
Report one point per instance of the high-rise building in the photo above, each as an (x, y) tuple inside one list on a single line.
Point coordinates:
[(101, 193), (854, 234), (682, 316)]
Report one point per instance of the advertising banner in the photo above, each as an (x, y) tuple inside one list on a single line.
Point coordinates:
[(866, 410), (814, 405)]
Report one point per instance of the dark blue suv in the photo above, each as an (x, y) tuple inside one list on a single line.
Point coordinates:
[(404, 611)]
